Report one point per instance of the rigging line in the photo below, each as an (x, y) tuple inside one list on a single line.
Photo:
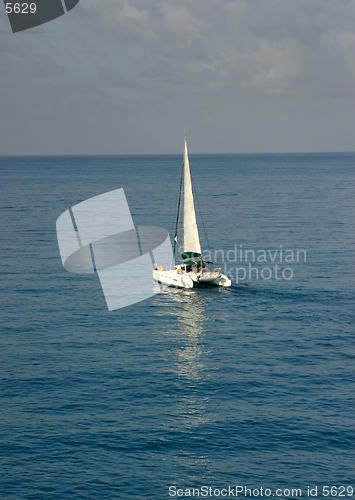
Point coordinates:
[(173, 223), (178, 209)]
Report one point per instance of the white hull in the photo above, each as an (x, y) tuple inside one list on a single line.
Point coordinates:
[(215, 278), (190, 280), (171, 278)]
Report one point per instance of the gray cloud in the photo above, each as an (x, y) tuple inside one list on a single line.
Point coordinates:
[(126, 76)]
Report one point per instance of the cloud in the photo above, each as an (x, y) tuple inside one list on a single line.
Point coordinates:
[(237, 41), (171, 62), (178, 20), (274, 63)]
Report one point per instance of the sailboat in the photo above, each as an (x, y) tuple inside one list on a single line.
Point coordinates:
[(193, 271)]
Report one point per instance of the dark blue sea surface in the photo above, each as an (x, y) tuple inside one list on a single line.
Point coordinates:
[(250, 386)]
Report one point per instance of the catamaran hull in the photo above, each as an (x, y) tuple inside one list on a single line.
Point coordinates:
[(172, 278), (220, 280)]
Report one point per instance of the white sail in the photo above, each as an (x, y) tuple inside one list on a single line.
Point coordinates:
[(191, 236)]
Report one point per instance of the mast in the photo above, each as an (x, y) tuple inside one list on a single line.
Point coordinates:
[(178, 210), (191, 236)]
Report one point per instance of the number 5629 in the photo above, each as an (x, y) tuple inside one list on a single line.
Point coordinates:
[(20, 8)]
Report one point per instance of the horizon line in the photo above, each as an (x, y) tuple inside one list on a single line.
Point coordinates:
[(174, 154)]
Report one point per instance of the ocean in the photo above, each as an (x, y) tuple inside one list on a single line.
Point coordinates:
[(204, 392)]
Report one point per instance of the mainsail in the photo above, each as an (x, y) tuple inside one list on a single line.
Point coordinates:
[(191, 236)]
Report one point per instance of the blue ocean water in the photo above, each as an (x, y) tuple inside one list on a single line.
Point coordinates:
[(250, 386)]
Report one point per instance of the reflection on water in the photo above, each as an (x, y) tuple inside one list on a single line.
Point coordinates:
[(191, 319), (186, 342), (185, 339)]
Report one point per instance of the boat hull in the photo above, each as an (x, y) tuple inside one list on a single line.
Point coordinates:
[(171, 278), (191, 280), (219, 280)]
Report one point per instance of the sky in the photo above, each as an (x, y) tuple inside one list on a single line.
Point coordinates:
[(128, 76)]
